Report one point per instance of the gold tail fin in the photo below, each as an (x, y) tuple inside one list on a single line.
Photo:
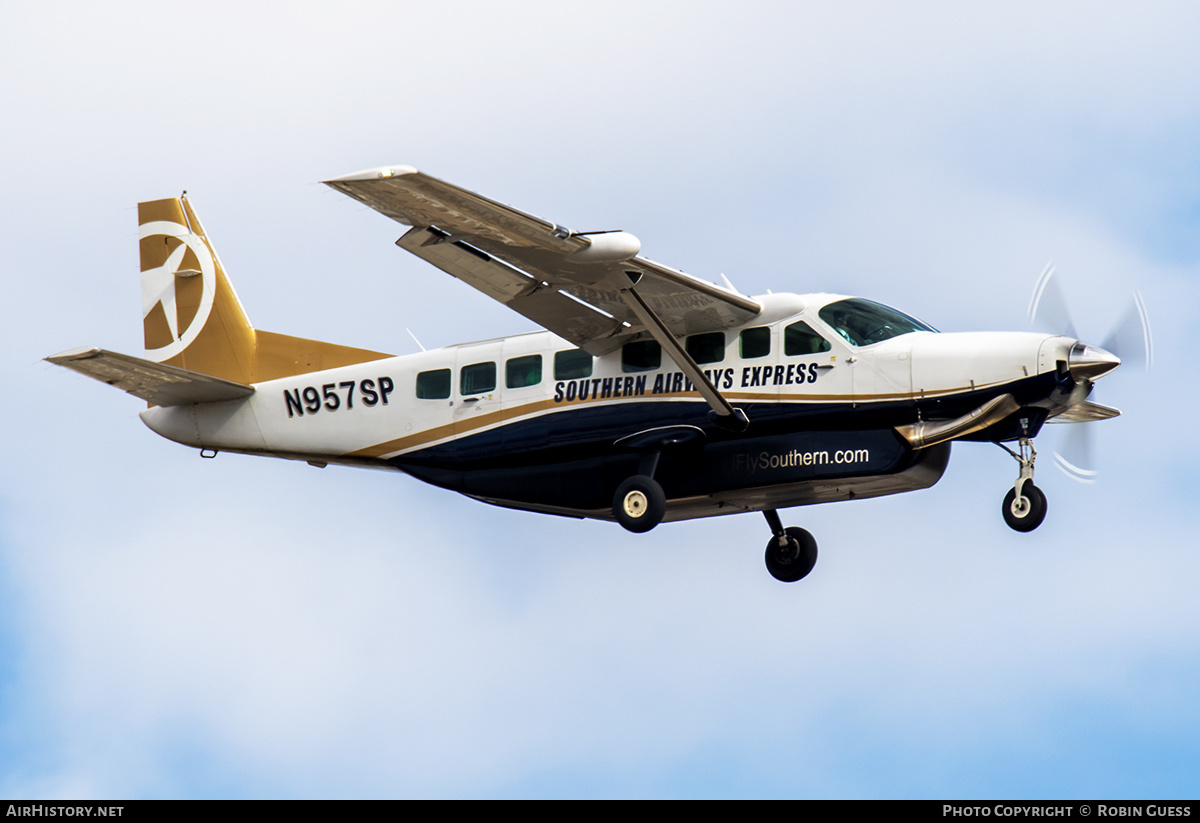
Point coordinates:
[(192, 317)]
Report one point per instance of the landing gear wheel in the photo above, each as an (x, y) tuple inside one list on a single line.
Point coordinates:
[(639, 504), (793, 560), (1027, 513)]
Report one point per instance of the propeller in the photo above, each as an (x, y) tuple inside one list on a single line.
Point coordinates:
[(1074, 453), (1130, 340), (1047, 307)]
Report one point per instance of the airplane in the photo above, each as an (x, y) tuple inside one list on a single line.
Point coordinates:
[(650, 396)]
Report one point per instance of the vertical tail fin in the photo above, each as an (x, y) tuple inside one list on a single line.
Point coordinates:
[(192, 318)]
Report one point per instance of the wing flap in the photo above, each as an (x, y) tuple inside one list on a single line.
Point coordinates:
[(570, 319), (156, 383)]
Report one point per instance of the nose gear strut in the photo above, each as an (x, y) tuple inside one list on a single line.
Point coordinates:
[(1024, 506)]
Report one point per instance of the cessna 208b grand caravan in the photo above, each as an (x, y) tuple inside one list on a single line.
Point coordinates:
[(651, 396)]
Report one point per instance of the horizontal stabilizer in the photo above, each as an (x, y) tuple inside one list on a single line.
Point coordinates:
[(157, 383)]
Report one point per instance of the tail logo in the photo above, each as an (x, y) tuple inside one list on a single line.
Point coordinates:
[(190, 257)]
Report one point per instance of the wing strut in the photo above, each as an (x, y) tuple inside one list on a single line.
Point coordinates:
[(723, 414)]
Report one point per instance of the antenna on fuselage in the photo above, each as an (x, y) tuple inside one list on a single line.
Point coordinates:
[(415, 340)]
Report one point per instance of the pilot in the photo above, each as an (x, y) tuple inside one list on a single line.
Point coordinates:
[(841, 326)]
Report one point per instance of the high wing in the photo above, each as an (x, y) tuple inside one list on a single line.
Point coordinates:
[(569, 283)]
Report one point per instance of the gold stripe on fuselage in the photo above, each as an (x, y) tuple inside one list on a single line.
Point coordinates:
[(412, 442), (424, 438)]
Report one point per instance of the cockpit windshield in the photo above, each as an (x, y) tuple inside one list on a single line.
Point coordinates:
[(863, 322)]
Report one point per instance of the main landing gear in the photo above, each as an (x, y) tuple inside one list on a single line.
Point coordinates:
[(1024, 506), (639, 504), (791, 553)]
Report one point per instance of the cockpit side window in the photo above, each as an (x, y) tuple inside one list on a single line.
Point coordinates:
[(863, 322)]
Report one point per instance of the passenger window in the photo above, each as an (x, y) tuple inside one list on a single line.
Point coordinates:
[(477, 378), (433, 385), (523, 371), (644, 355), (706, 348), (799, 338), (755, 342), (572, 364)]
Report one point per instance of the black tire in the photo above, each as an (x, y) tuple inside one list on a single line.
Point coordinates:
[(639, 504), (1030, 514), (794, 562)]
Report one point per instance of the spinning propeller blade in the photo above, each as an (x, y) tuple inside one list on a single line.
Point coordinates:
[(1074, 454), (1047, 308), (1129, 340)]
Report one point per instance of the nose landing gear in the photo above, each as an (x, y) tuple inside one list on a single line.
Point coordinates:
[(1024, 506), (791, 553)]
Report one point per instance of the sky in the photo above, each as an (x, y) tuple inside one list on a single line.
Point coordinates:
[(172, 627)]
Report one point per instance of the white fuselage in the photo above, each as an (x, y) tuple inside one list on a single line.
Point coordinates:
[(369, 412)]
